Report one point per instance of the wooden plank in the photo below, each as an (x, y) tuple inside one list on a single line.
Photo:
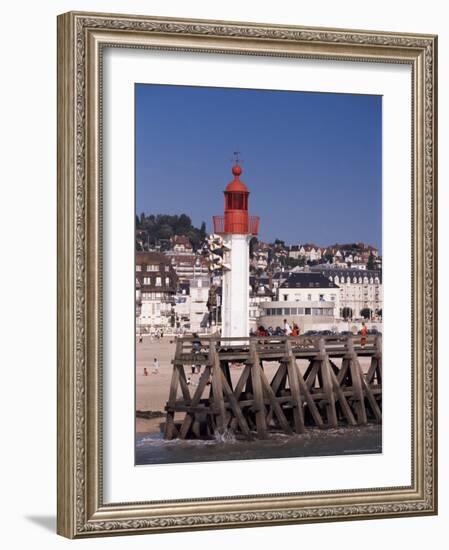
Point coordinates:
[(218, 401), (169, 430), (310, 401), (356, 375), (235, 407), (342, 398), (239, 389), (277, 409), (298, 412), (312, 373), (370, 396), (259, 407), (344, 370), (183, 383), (326, 372), (280, 377), (189, 417), (242, 381), (278, 383), (226, 368), (358, 396)]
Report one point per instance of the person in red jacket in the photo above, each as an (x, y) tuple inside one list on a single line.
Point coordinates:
[(363, 332)]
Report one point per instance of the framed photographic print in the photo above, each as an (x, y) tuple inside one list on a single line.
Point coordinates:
[(246, 274)]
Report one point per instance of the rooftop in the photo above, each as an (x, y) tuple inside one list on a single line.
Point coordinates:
[(308, 280)]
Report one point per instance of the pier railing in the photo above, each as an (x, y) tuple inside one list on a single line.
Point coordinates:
[(330, 389)]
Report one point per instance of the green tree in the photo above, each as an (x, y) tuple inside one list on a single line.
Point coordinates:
[(165, 231), (346, 313), (366, 312)]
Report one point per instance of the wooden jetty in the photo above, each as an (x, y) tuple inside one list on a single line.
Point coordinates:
[(323, 395)]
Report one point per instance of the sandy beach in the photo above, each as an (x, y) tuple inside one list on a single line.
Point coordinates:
[(152, 390)]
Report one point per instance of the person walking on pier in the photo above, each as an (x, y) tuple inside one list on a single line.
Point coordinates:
[(363, 332), (155, 369), (287, 328), (295, 330)]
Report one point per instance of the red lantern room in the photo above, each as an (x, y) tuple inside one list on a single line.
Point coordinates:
[(236, 218)]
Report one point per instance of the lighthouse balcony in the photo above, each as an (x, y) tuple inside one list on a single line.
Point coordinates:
[(245, 225)]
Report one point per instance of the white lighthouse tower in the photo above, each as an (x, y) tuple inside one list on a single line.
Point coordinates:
[(237, 228)]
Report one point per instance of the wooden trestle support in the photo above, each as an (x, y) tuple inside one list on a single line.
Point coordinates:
[(323, 395)]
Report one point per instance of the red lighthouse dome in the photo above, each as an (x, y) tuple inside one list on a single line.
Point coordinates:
[(236, 219), (236, 185), (236, 204)]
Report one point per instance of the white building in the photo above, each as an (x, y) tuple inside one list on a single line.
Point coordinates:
[(182, 307), (308, 299), (198, 312), (259, 294), (358, 288), (308, 287), (310, 252), (155, 290), (187, 265)]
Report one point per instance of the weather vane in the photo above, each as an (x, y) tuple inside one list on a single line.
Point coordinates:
[(237, 158)]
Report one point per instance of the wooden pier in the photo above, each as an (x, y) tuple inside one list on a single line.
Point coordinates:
[(323, 395)]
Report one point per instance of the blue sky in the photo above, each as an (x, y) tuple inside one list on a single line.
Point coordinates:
[(312, 161)]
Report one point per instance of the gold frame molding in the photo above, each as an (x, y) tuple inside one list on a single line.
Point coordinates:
[(81, 38)]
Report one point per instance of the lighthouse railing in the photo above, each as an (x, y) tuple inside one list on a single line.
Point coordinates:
[(218, 224), (254, 225), (249, 225)]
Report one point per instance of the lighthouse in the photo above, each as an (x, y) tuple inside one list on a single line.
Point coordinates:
[(236, 228)]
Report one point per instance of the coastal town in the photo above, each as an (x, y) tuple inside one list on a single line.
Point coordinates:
[(330, 288), (315, 312)]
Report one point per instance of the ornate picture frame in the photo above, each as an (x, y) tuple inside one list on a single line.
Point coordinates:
[(82, 38)]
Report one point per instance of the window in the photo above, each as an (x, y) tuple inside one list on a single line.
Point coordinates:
[(321, 298), (167, 281), (285, 297), (309, 297), (147, 280), (294, 311), (278, 311), (333, 297), (158, 281), (138, 268), (307, 310), (167, 268), (286, 311)]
